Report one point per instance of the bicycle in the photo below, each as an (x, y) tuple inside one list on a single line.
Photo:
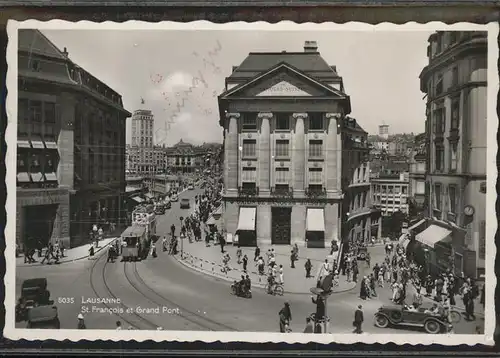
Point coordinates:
[(275, 289)]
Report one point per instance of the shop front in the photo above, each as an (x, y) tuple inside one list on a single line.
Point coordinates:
[(246, 230), (315, 227)]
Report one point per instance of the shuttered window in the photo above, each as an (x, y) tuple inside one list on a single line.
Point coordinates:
[(315, 175), (249, 175), (316, 148), (282, 148), (249, 148), (282, 176)]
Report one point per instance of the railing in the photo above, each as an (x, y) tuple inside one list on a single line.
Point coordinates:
[(284, 192), (248, 192), (315, 193)]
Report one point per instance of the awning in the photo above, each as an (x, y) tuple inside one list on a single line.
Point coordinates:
[(23, 144), (50, 145), (50, 176), (414, 226), (149, 195), (37, 144), (315, 220), (246, 221), (432, 235), (23, 177), (37, 177), (404, 240), (137, 199), (211, 221)]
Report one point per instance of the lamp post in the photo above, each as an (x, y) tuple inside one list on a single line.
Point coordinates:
[(321, 308)]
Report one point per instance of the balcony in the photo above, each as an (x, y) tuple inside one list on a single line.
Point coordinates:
[(248, 192), (454, 135), (282, 192), (315, 192)]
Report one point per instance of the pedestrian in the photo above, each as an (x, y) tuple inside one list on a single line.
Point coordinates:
[(257, 254), (309, 326), (355, 271), (81, 322), (363, 292), (91, 252), (368, 259), (118, 326), (110, 254), (358, 320), (292, 259), (153, 250), (285, 315), (417, 298), (239, 254), (282, 278), (308, 267), (245, 263)]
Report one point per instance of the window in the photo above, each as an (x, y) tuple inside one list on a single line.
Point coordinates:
[(404, 190), (249, 175), (439, 121), (282, 121), (23, 117), (315, 175), (455, 114), (439, 42), (282, 148), (453, 37), (439, 159), (21, 162), (249, 148), (282, 176), (316, 148), (437, 197), (439, 85), (453, 157), (454, 76), (452, 193), (249, 121), (316, 121), (49, 110), (34, 164), (35, 113)]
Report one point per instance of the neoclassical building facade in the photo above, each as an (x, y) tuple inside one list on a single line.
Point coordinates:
[(282, 118)]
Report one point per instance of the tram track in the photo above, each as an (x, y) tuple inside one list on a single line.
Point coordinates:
[(158, 299), (132, 319)]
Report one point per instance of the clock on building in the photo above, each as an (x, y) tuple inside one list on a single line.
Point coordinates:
[(469, 210)]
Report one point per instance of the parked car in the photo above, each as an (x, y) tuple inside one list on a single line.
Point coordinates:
[(190, 187), (174, 197), (393, 315), (184, 204), (43, 317)]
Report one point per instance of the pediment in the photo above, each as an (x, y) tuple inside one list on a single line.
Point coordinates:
[(283, 81)]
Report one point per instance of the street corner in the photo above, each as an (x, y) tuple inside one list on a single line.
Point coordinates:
[(206, 267)]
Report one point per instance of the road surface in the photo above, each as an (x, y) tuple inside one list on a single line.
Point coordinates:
[(160, 292)]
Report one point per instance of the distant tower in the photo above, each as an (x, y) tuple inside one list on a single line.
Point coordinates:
[(383, 131), (142, 128)]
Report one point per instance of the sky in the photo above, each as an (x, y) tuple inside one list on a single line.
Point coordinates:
[(380, 71)]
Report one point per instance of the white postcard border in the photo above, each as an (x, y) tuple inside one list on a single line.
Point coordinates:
[(256, 337)]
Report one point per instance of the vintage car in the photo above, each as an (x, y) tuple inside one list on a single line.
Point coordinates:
[(184, 203), (34, 292), (43, 317), (395, 315)]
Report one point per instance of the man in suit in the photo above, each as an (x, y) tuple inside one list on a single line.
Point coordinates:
[(358, 320)]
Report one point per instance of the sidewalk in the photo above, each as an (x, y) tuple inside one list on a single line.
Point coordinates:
[(70, 255), (208, 260)]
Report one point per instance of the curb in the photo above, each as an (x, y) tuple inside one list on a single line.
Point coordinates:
[(67, 261), (259, 285)]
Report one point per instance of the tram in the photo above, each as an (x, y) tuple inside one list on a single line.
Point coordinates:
[(134, 240)]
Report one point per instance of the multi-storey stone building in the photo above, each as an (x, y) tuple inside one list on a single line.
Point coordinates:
[(390, 192), (70, 146), (282, 118), (455, 81), (417, 172), (184, 157), (145, 160), (361, 220)]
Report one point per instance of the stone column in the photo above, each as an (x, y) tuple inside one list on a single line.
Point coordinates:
[(332, 168), (231, 152), (264, 155), (299, 153)]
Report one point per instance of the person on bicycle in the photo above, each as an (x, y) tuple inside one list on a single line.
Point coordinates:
[(270, 282)]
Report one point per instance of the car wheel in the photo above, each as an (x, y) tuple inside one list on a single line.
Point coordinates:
[(431, 326), (279, 290), (381, 321), (361, 256)]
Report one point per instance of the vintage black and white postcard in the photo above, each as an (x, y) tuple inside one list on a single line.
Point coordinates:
[(251, 182)]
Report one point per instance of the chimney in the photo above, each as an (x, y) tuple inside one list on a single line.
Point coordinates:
[(65, 52), (310, 46)]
